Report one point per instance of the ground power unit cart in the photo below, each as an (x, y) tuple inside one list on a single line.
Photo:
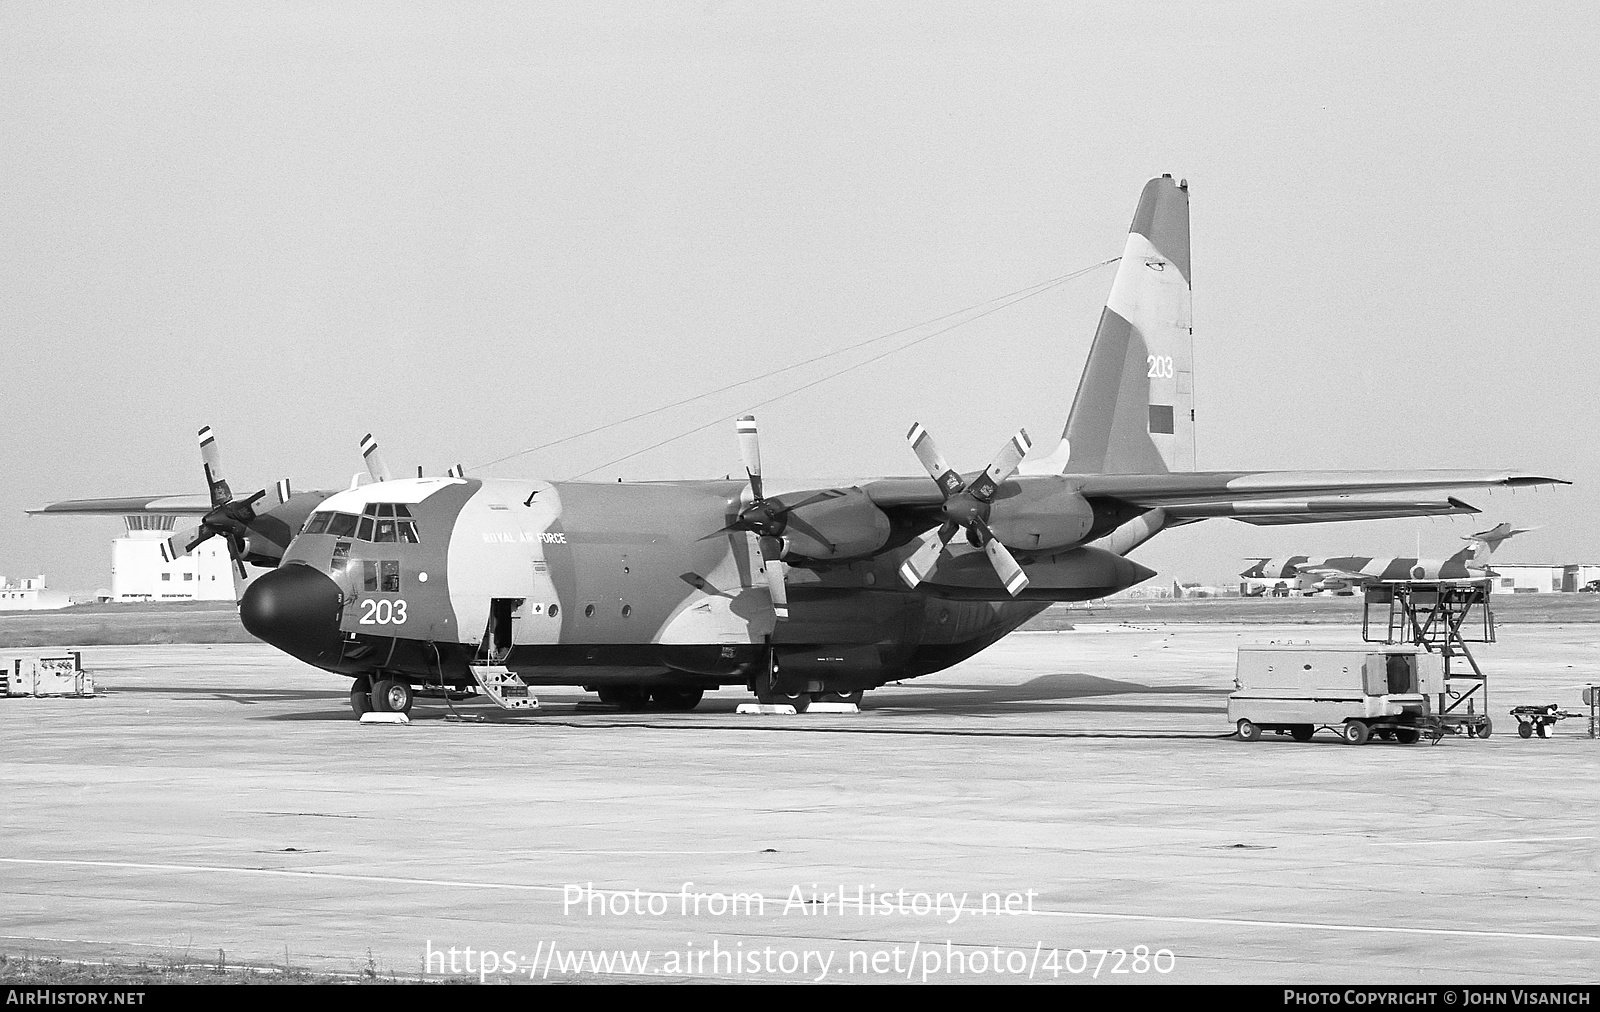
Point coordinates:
[(1358, 692)]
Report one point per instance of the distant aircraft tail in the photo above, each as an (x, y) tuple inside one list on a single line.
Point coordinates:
[(1484, 543), (1134, 409)]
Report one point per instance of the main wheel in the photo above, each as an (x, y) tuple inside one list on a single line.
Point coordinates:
[(1355, 732), (841, 697), (801, 701), (390, 695), (677, 699), (629, 697), (1302, 732), (769, 693), (361, 697), (1407, 735), (1524, 729), (1248, 731)]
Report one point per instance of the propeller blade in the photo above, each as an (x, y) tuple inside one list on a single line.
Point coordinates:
[(750, 452), (375, 465), (284, 491), (1005, 567), (1003, 467), (211, 461), (777, 585), (933, 461), (921, 562), (183, 542), (456, 472)]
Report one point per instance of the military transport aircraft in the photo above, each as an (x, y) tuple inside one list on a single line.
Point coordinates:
[(653, 592), (1352, 572)]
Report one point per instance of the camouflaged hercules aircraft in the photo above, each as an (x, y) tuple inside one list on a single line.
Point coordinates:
[(1310, 574), (652, 592)]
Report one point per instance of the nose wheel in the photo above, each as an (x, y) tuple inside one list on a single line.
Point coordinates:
[(390, 695), (361, 697)]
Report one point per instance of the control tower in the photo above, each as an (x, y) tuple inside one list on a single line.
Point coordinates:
[(139, 574)]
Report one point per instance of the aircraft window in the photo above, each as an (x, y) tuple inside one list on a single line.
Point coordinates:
[(627, 610), (385, 534), (588, 611), (371, 510), (369, 575), (401, 510), (555, 609), (390, 577), (343, 525), (341, 557), (385, 509), (318, 523), (408, 531), (364, 532)]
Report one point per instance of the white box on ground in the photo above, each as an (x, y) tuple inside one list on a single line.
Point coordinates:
[(56, 674)]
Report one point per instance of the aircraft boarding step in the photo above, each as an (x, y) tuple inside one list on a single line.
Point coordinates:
[(504, 686)]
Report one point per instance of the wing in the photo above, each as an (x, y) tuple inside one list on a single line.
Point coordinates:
[(1344, 575), (197, 505), (1297, 497)]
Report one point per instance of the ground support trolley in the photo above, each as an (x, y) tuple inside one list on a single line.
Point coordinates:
[(1442, 617), (1533, 720)]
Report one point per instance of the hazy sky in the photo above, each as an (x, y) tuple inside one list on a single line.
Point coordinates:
[(474, 228)]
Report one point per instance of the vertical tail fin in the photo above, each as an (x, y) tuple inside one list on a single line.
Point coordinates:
[(1484, 543), (1134, 409)]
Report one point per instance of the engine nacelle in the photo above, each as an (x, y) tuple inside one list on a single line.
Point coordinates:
[(838, 524), (1075, 574), (1040, 514)]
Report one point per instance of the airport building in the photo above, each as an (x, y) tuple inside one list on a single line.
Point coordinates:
[(28, 594), (139, 574), (1552, 578)]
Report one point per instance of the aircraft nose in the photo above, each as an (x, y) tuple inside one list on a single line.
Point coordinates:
[(296, 609)]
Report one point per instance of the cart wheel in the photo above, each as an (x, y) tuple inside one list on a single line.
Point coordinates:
[(1525, 729), (1248, 731), (1355, 732), (1486, 728), (1544, 730), (1302, 732)]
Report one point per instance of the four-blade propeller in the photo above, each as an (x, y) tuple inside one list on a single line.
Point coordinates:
[(229, 517), (767, 520), (966, 506)]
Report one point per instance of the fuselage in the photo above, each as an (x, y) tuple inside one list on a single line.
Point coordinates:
[(576, 583), (1362, 569)]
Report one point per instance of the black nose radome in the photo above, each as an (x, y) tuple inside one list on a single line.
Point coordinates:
[(296, 609)]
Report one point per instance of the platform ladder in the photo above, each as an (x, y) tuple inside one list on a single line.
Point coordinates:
[(502, 685), (1442, 617)]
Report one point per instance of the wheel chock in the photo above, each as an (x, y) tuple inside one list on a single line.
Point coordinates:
[(374, 717), (785, 710), (833, 708)]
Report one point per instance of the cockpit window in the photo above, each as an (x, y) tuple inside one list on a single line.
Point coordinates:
[(343, 525), (379, 522)]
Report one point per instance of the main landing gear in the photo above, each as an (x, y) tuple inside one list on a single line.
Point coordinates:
[(771, 690), (387, 695)]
